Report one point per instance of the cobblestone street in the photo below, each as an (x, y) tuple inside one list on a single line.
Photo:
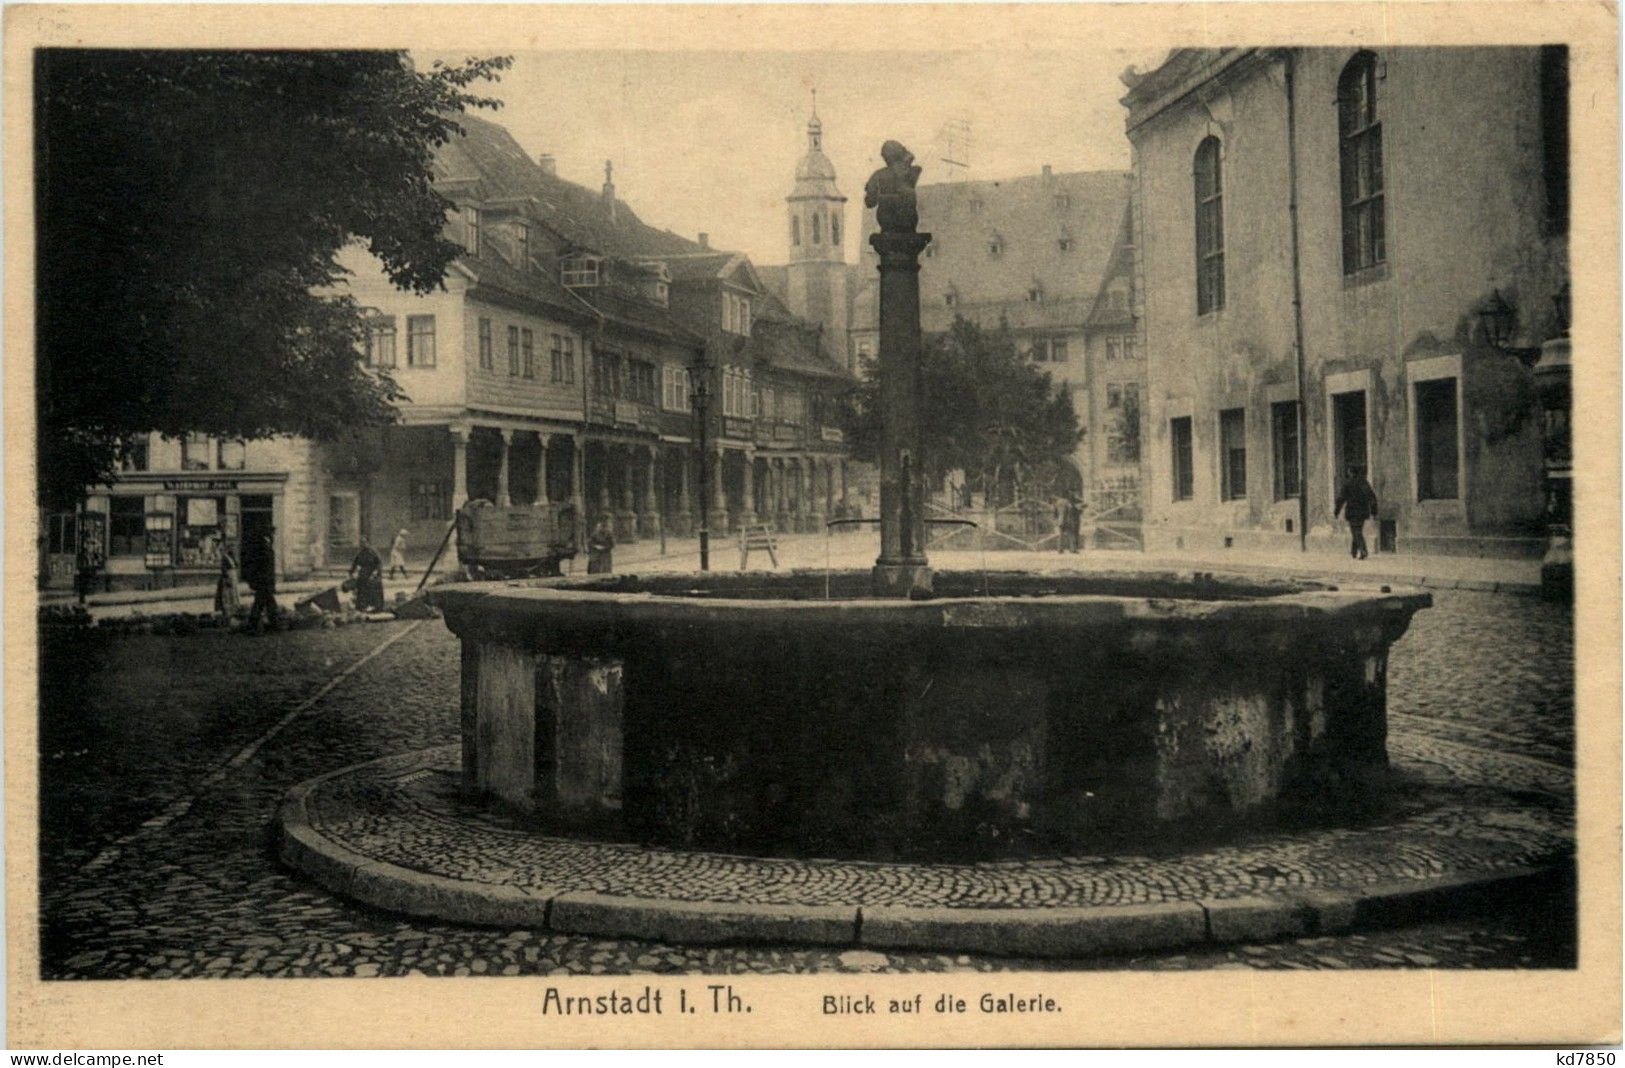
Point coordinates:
[(163, 759)]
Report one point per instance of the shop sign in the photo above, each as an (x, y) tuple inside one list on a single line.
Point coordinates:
[(833, 433), (627, 412), (786, 433), (185, 484), (733, 427)]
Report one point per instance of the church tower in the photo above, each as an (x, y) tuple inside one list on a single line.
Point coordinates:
[(815, 280)]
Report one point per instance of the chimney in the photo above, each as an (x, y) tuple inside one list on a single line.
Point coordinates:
[(1047, 174), (549, 165), (705, 239), (609, 188)]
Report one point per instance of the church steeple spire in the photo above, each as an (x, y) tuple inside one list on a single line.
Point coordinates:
[(815, 129)]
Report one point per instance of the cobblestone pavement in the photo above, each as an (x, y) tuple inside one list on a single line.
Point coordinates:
[(131, 726)]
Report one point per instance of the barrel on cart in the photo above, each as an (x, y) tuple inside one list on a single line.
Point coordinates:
[(517, 541)]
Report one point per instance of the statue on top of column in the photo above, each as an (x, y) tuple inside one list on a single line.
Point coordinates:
[(891, 190)]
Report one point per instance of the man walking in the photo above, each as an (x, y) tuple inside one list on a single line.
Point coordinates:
[(1357, 503), (262, 580)]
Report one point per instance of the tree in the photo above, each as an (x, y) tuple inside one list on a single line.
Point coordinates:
[(190, 209), (984, 410)]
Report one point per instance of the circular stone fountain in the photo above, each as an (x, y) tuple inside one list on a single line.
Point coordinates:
[(1006, 714)]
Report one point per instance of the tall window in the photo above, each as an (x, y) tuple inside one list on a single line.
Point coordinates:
[(1209, 227), (1554, 127), (674, 389), (430, 500), (1284, 444), (197, 450), (640, 381), (835, 229), (527, 342), (1437, 462), (1233, 454), (420, 341), (1123, 423), (1360, 153), (513, 350), (795, 229), (564, 358), (381, 342), (817, 228), (1179, 440), (471, 231), (485, 345)]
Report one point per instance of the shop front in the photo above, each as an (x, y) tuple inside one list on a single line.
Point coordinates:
[(159, 532)]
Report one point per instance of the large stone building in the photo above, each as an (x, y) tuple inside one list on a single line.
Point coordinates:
[(1333, 243), (1051, 256), (553, 366)]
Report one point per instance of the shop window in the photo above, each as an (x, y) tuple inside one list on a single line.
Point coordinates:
[(1360, 163), (1184, 470), (232, 455), (420, 341), (380, 344), (197, 542), (197, 450), (1209, 227), (127, 526), (1284, 445), (528, 343), (430, 499), (1233, 454), (486, 358), (1437, 460)]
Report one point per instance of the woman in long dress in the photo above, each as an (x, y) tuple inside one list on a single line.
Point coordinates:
[(600, 549), (227, 600)]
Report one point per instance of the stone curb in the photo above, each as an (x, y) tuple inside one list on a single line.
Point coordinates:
[(1038, 932)]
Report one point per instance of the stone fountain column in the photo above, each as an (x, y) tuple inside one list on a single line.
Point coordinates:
[(902, 569)]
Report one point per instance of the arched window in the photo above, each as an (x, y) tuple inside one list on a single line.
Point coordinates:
[(835, 229), (818, 228), (1209, 227), (1360, 155), (795, 229)]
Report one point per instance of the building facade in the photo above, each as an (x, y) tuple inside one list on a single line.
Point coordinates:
[(1048, 256), (553, 366), (1400, 200)]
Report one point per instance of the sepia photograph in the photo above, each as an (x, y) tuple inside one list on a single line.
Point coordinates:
[(939, 523)]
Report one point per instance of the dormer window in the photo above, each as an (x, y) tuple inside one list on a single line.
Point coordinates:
[(580, 271), (521, 241), (662, 294), (950, 298), (995, 247), (1065, 244), (1063, 202), (1035, 295), (735, 314), (471, 230)]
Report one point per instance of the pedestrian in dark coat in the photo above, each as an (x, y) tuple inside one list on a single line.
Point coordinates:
[(600, 549), (368, 571), (1071, 523), (1357, 503), (262, 580)]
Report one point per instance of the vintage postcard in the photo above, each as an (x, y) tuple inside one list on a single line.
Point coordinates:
[(812, 525)]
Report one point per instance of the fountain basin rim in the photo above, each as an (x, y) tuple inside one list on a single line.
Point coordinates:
[(1296, 599)]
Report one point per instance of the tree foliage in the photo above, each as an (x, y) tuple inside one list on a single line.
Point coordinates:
[(984, 410), (190, 209)]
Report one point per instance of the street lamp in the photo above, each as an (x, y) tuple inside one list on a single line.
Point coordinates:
[(699, 391), (1554, 388), (1498, 321)]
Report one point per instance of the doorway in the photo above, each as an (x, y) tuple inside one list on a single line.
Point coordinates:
[(256, 527), (1348, 437)]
